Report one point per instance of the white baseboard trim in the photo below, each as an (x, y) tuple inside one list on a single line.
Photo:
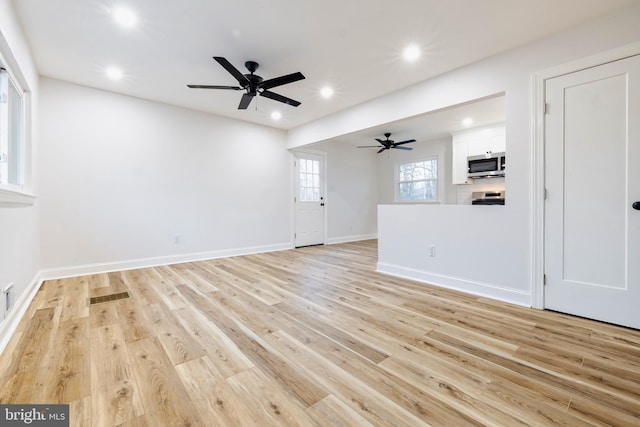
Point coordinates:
[(14, 316), (488, 290), (83, 270), (354, 238)]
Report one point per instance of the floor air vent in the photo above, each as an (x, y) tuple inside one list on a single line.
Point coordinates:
[(108, 298)]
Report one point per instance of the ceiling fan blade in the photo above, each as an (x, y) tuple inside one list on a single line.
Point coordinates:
[(381, 141), (245, 101), (403, 148), (214, 87), (232, 70), (382, 149), (276, 97), (405, 142), (282, 80), (368, 146)]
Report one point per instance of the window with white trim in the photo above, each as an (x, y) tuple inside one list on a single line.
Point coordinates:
[(11, 131), (418, 181), (309, 180)]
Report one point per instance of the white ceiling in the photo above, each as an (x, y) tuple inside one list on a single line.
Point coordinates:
[(353, 45), (433, 125)]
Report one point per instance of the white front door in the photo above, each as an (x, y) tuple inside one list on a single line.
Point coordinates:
[(309, 199), (592, 178)]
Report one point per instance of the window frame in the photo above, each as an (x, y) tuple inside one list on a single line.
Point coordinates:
[(16, 194), (436, 180)]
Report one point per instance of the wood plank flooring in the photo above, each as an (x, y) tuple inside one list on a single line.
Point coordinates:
[(311, 337)]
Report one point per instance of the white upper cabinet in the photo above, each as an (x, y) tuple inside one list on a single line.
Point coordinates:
[(499, 140), (459, 156), (475, 142), (487, 140)]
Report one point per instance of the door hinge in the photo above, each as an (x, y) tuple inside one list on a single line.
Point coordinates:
[(295, 199), (545, 194), (546, 108), (544, 279)]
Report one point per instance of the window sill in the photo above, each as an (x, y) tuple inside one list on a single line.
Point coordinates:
[(14, 198), (416, 202)]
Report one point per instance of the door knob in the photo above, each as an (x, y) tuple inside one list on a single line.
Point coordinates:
[(636, 206)]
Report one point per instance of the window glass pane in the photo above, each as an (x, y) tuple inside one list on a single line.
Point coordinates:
[(431, 190), (309, 180), (405, 174), (432, 169), (417, 190), (11, 131), (418, 171), (404, 191), (418, 180), (15, 135), (4, 126)]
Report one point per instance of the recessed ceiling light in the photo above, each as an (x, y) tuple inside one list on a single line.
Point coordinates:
[(411, 53), (114, 73), (125, 16), (326, 92), (467, 122), (276, 115)]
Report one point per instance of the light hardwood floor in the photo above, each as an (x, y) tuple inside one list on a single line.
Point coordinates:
[(307, 337)]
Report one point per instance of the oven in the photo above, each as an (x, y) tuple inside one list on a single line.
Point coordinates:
[(487, 198)]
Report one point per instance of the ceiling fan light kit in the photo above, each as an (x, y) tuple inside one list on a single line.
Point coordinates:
[(387, 144), (253, 84)]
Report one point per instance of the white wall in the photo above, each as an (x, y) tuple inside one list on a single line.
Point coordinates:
[(123, 177), (388, 161), (19, 250), (351, 201), (475, 246), (472, 240)]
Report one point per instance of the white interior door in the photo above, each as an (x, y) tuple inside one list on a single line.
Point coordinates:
[(309, 199), (592, 177)]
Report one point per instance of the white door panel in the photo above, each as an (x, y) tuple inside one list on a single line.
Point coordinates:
[(592, 153), (594, 203), (309, 199)]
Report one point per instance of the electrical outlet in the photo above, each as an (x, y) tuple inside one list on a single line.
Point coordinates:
[(177, 239), (8, 298), (432, 251)]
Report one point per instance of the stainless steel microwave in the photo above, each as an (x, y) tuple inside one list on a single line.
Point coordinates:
[(486, 165)]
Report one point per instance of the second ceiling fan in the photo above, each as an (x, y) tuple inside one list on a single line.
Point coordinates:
[(253, 84), (387, 144)]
